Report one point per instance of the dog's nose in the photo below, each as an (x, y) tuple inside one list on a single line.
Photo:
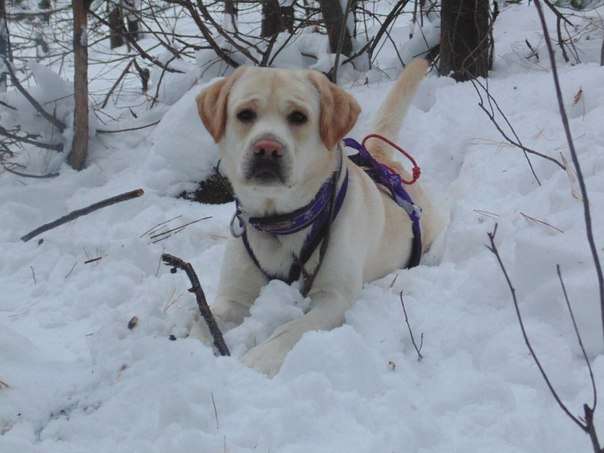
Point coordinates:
[(268, 149)]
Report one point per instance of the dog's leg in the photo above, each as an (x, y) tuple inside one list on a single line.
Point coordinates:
[(239, 286), (334, 294)]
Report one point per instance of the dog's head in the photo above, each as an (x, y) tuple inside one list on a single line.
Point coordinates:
[(276, 128)]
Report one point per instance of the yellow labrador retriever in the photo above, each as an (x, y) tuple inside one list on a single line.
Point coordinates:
[(279, 134)]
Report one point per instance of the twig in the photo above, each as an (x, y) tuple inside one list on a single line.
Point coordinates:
[(142, 52), (202, 303), (575, 158), (558, 14), (118, 131), (542, 222), (52, 146), (576, 329), (81, 212), (215, 411), (28, 175), (561, 39), (116, 83), (93, 260), (71, 270), (8, 106), (490, 112), (493, 249), (155, 227), (534, 52), (47, 116), (177, 229), (418, 349)]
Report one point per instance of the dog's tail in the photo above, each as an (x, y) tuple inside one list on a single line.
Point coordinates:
[(389, 118)]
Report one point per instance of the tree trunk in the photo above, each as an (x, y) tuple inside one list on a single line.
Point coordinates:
[(333, 16), (132, 8), (45, 5), (271, 18), (4, 47), (79, 147), (230, 16), (116, 24), (230, 7), (464, 43), (287, 18)]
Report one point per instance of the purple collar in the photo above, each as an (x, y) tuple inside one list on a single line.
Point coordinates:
[(301, 218)]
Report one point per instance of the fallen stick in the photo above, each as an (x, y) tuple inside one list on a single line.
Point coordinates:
[(202, 303), (81, 212), (418, 349)]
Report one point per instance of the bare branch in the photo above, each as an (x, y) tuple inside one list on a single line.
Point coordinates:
[(28, 175), (575, 158), (118, 131), (54, 147), (202, 303), (82, 212), (493, 249), (142, 52), (576, 329), (116, 83), (35, 104), (490, 112), (418, 349)]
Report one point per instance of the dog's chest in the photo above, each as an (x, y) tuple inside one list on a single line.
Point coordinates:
[(276, 254)]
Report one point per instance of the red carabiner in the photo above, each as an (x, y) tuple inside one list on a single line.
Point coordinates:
[(416, 171)]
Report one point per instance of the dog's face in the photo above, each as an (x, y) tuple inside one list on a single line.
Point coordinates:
[(276, 128)]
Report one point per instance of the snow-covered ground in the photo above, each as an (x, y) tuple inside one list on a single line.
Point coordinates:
[(81, 381)]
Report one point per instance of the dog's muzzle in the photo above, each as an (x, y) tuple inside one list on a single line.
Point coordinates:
[(266, 162)]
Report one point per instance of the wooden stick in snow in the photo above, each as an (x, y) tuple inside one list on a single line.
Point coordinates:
[(202, 303), (81, 212)]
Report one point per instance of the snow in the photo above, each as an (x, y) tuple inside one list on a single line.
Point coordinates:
[(81, 381)]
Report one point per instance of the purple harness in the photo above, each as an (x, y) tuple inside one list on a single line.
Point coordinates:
[(320, 213)]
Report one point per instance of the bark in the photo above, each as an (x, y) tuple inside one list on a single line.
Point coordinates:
[(230, 7), (45, 4), (465, 40), (271, 18), (132, 8), (116, 21), (4, 51), (333, 16), (230, 16), (79, 147)]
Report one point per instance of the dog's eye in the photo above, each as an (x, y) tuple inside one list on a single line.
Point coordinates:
[(246, 115), (297, 118)]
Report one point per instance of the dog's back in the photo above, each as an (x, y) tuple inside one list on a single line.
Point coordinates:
[(388, 122)]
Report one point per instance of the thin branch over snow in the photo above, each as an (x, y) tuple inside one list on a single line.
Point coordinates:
[(35, 104), (82, 212), (575, 158), (418, 349), (586, 424), (202, 303)]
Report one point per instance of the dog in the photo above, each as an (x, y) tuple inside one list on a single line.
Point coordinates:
[(279, 134)]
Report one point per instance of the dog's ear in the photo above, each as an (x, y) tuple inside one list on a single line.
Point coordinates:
[(212, 104), (339, 110)]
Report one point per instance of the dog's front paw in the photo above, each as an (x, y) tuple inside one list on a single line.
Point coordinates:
[(268, 357), (201, 331)]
